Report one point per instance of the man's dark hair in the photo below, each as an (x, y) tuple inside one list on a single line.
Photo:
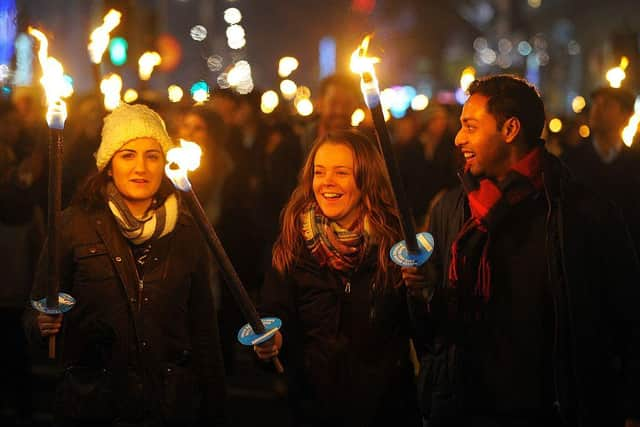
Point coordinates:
[(512, 96), (623, 97)]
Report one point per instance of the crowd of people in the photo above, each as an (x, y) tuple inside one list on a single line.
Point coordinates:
[(523, 316)]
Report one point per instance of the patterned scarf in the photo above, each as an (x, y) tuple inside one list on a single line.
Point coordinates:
[(156, 223), (489, 203), (339, 248)]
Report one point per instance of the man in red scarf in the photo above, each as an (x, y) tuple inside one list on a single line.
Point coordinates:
[(532, 321)]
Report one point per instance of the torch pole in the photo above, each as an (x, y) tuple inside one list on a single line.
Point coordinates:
[(53, 224), (230, 275), (384, 144)]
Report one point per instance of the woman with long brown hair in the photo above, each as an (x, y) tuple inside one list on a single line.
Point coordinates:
[(346, 329)]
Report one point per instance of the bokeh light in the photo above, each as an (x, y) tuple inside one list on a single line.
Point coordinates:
[(357, 117), (419, 102), (287, 65), (232, 16), (288, 88), (304, 107), (198, 33), (555, 125), (175, 93), (584, 131), (130, 95), (269, 101)]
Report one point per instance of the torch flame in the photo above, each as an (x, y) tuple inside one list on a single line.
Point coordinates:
[(111, 86), (629, 132), (99, 38), (363, 65), (146, 63), (180, 160), (360, 62), (53, 82), (616, 75)]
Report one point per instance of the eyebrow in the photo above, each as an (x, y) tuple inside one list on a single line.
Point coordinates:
[(335, 167), (151, 150)]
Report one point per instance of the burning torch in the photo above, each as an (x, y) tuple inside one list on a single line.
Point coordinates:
[(52, 80), (414, 250), (186, 158), (99, 40)]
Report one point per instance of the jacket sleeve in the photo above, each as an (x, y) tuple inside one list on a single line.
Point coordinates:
[(278, 300), (423, 313), (205, 338), (621, 278), (39, 287)]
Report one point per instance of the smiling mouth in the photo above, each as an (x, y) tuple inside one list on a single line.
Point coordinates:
[(468, 155), (332, 196), (139, 181)]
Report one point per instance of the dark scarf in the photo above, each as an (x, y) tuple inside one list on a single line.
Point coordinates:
[(341, 249), (489, 203)]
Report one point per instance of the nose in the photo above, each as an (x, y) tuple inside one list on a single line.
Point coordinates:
[(460, 138), (328, 179), (140, 165)]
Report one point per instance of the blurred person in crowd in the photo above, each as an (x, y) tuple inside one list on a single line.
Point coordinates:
[(443, 160), (22, 174), (534, 282), (344, 306), (211, 181), (140, 347), (339, 97), (207, 129), (604, 163), (82, 138), (413, 165)]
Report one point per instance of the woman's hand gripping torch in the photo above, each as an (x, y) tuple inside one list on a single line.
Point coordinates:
[(414, 250), (186, 158)]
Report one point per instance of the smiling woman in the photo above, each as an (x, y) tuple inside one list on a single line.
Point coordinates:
[(345, 311), (141, 345)]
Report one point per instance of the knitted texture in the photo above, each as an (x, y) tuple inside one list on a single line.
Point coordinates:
[(126, 123)]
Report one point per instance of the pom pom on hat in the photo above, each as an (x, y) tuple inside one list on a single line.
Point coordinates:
[(126, 123)]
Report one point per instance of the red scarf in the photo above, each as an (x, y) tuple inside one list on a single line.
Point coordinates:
[(489, 203)]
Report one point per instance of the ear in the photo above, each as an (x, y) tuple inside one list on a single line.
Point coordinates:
[(511, 129), (109, 171)]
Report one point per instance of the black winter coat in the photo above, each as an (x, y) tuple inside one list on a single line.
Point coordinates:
[(345, 345), (595, 281), (139, 350)]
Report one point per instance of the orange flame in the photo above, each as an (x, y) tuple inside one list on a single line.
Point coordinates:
[(52, 80), (181, 160)]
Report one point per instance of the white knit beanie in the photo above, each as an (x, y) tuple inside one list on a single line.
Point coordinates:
[(126, 123)]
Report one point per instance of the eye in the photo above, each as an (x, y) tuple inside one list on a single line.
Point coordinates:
[(127, 155), (153, 156), (342, 173), (318, 173)]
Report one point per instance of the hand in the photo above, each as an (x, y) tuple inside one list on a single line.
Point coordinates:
[(415, 280), (269, 349), (49, 324)]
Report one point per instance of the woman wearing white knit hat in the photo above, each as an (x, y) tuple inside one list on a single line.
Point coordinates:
[(141, 345)]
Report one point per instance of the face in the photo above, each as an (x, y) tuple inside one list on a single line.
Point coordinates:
[(606, 115), (482, 144), (334, 183), (193, 128), (137, 170), (336, 107)]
